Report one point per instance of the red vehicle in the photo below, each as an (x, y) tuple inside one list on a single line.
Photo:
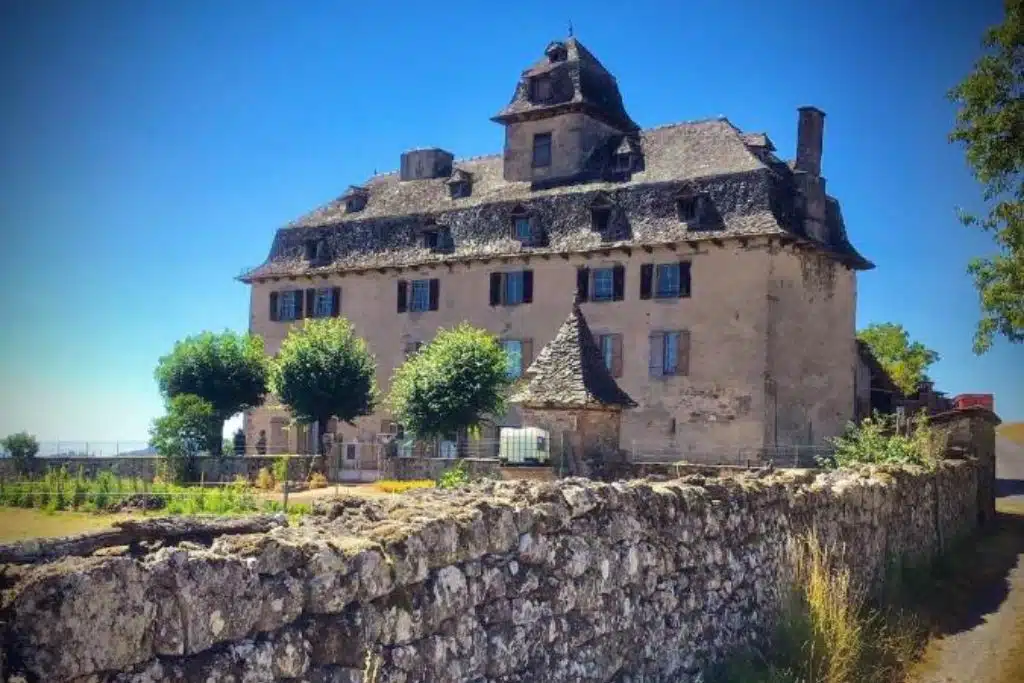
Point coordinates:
[(961, 401)]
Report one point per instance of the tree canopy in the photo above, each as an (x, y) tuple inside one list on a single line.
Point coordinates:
[(905, 361), (22, 446), (990, 126), (451, 383), (227, 370), (189, 428), (324, 370)]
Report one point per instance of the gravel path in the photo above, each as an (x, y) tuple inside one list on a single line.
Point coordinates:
[(984, 643)]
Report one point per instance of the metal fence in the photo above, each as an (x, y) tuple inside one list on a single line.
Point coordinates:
[(518, 448), (91, 449), (796, 456)]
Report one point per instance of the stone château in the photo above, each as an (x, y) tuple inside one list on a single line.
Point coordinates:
[(717, 279)]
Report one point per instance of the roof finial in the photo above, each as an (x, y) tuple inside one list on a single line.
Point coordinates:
[(570, 28)]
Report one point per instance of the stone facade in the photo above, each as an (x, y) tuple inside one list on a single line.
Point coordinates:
[(769, 313), (408, 469), (500, 582)]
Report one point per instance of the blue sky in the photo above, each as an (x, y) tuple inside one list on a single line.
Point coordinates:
[(152, 148)]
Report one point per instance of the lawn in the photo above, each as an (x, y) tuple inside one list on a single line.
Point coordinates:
[(1014, 431), (17, 524)]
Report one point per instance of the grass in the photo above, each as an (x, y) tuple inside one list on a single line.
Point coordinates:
[(828, 633), (1014, 431), (18, 524), (394, 486), (58, 490)]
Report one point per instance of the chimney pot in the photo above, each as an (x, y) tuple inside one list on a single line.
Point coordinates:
[(809, 137)]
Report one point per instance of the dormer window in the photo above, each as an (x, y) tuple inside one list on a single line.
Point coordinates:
[(624, 162), (309, 248), (542, 89), (601, 214), (556, 52), (431, 239), (521, 227), (459, 190), (690, 206), (460, 184), (355, 199), (315, 251)]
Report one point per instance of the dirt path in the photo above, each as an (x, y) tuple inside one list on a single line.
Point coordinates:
[(983, 639)]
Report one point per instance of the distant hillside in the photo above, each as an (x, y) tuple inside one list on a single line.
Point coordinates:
[(1014, 431)]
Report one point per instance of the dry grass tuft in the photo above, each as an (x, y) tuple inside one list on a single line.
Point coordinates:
[(317, 481), (392, 486)]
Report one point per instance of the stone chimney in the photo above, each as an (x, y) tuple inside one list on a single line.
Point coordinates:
[(423, 164), (809, 136)]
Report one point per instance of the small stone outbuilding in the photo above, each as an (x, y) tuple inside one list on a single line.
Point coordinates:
[(569, 392)]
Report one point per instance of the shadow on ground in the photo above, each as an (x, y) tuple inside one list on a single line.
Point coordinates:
[(972, 580)]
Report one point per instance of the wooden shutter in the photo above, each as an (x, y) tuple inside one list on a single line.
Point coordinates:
[(684, 278), (299, 313), (583, 283), (656, 362), (527, 354), (616, 355), (646, 280), (403, 296), (335, 301), (273, 307), (310, 303), (683, 353), (495, 289), (618, 283), (435, 293), (527, 286)]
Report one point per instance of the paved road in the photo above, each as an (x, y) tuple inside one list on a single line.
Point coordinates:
[(988, 646)]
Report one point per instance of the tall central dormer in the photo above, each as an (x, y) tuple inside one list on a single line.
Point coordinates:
[(565, 118)]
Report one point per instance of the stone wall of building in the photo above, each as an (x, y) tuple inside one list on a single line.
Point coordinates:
[(500, 581)]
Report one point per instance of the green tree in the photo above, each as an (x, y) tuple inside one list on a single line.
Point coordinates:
[(186, 431), (324, 370), (990, 126), (906, 362), (22, 447), (451, 383), (228, 370)]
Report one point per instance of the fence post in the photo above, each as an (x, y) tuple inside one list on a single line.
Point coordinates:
[(284, 487)]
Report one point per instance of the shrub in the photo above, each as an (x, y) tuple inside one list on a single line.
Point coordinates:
[(280, 469), (182, 434), (265, 480), (317, 480), (22, 447), (453, 477), (392, 486), (876, 440)]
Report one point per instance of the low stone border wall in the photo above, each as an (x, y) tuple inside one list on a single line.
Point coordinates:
[(498, 582), (409, 469)]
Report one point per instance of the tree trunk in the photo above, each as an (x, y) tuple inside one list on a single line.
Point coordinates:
[(215, 441)]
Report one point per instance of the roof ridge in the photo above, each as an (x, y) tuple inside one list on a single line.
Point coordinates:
[(691, 122)]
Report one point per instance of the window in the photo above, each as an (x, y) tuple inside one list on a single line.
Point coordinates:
[(623, 162), (518, 353), (459, 190), (288, 305), (310, 247), (323, 306), (665, 280), (611, 352), (542, 89), (690, 207), (412, 347), (425, 295), (420, 295), (669, 353), (512, 288), (541, 150), (521, 228), (431, 239), (600, 219), (514, 357), (350, 451), (601, 284)]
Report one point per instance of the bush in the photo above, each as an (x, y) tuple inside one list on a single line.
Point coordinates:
[(317, 481), (265, 480), (392, 486), (182, 434), (453, 477), (280, 469), (22, 447), (876, 440)]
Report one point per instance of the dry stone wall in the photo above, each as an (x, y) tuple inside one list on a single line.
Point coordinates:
[(498, 582)]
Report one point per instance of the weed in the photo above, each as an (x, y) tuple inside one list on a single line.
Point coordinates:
[(317, 480), (454, 476), (265, 480)]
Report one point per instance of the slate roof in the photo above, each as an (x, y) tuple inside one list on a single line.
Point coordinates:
[(750, 190), (569, 372)]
